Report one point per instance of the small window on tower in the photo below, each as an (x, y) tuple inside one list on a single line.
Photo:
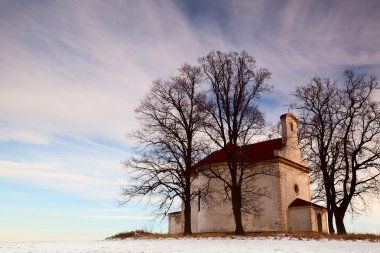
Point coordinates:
[(291, 127), (296, 188)]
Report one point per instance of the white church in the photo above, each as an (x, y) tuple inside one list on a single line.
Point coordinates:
[(286, 208)]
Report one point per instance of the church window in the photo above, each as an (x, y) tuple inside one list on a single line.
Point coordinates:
[(319, 222), (296, 189)]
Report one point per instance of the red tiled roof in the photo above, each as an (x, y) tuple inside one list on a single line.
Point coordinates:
[(300, 202), (253, 153)]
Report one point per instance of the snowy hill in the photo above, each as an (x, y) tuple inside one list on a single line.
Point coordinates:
[(192, 245)]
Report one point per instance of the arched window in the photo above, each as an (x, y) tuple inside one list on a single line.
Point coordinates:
[(319, 222)]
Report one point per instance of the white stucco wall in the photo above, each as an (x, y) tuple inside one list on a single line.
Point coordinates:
[(299, 219), (314, 212), (175, 223), (194, 216), (269, 217), (290, 177), (304, 218), (217, 215)]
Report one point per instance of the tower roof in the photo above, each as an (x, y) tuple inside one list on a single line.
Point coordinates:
[(289, 114)]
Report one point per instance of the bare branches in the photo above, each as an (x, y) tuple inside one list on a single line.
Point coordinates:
[(235, 86), (169, 142), (177, 118), (341, 137)]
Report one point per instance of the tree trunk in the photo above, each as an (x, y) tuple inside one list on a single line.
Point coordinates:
[(236, 208), (341, 229), (187, 211), (330, 216), (329, 200)]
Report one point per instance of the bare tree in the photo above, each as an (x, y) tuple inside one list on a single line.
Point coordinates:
[(318, 105), (341, 133), (235, 86), (359, 171), (168, 142)]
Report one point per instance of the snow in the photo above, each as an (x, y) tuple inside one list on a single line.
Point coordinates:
[(219, 245)]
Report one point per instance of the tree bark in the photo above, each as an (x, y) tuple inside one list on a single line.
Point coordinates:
[(236, 204), (330, 216), (327, 185), (341, 229), (187, 213)]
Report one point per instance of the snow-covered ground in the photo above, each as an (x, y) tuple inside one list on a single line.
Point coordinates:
[(196, 245)]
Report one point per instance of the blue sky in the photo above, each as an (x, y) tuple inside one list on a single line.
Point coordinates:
[(71, 73)]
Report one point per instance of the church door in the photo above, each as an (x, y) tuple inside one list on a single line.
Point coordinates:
[(319, 222)]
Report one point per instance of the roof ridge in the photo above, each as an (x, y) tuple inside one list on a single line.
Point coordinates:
[(259, 151), (302, 202), (277, 139)]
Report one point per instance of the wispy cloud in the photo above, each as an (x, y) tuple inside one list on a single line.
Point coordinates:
[(118, 217), (67, 67), (299, 39), (56, 176), (80, 67), (24, 136), (111, 213)]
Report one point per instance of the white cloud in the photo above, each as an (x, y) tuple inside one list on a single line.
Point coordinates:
[(54, 175), (80, 68), (68, 68), (75, 68), (24, 135), (119, 217), (297, 40)]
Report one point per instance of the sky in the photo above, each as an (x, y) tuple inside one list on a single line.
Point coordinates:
[(72, 72)]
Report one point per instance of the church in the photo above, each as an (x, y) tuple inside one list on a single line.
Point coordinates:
[(288, 205)]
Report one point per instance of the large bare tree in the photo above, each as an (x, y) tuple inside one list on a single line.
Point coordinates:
[(168, 142), (318, 105), (341, 135), (235, 86)]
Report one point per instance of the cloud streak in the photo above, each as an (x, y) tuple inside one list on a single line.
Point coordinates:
[(81, 68), (67, 68), (54, 175), (118, 217)]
